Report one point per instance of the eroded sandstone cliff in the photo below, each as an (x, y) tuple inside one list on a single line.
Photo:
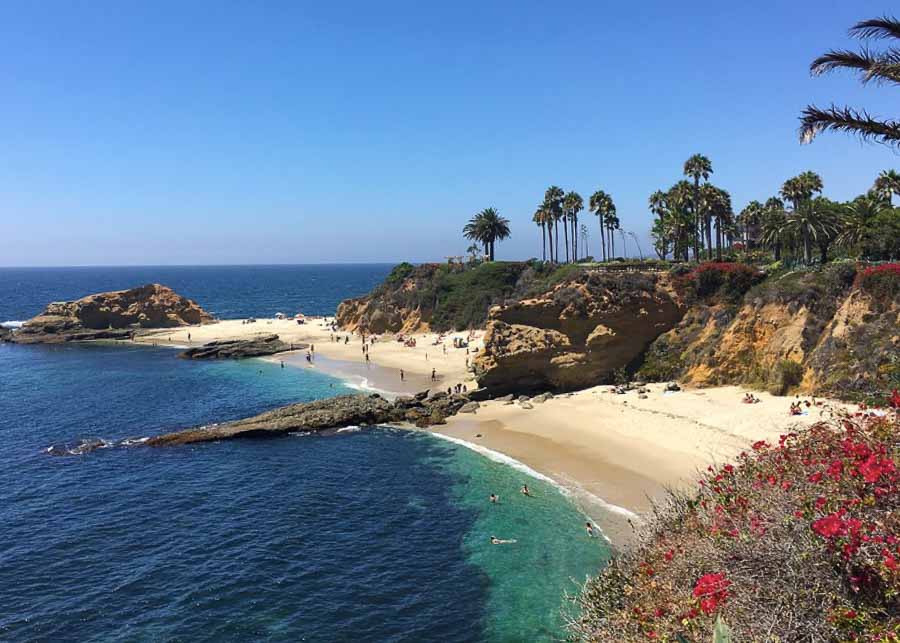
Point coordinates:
[(816, 332), (577, 334), (111, 315)]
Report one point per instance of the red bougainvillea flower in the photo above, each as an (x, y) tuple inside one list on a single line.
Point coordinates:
[(712, 590), (895, 399), (830, 526), (874, 467)]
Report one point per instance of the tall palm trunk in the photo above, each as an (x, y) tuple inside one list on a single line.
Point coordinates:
[(556, 232), (719, 240), (709, 244), (696, 212), (602, 239), (574, 238), (544, 242), (566, 232), (550, 239)]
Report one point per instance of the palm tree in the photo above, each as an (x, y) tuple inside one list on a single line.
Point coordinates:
[(880, 66), (540, 218), (640, 252), (799, 191), (772, 227), (716, 204), (887, 185), (612, 224), (573, 204), (696, 167), (748, 223), (553, 198), (602, 205), (488, 227), (858, 216), (680, 199), (662, 229)]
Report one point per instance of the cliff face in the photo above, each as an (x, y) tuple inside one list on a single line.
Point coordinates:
[(576, 334), (818, 333), (111, 315)]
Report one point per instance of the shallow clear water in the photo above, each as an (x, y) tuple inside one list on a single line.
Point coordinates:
[(376, 535)]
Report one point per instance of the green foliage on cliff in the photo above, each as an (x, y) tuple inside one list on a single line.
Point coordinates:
[(462, 299)]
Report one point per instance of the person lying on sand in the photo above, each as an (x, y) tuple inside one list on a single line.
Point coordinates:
[(498, 541)]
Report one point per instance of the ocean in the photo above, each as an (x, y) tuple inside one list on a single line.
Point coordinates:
[(368, 535)]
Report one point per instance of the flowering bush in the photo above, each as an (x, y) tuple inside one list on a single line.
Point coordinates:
[(730, 279), (798, 540), (883, 281)]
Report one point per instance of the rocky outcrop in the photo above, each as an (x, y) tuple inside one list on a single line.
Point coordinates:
[(576, 335), (323, 415), (111, 315), (814, 332), (239, 348)]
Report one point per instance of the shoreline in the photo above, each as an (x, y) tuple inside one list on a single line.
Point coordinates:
[(614, 456)]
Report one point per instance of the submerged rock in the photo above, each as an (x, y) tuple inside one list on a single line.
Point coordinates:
[(111, 315), (239, 348)]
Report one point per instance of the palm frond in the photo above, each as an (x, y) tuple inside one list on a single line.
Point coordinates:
[(815, 120), (880, 66), (884, 27)]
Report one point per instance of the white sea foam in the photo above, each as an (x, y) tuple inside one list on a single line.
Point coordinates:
[(502, 458), (348, 429), (12, 324)]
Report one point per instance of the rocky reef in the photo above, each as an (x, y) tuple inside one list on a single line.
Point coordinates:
[(323, 415), (111, 315), (239, 348), (577, 334)]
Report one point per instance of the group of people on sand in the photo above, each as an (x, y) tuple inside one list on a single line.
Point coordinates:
[(525, 491), (750, 398), (458, 388)]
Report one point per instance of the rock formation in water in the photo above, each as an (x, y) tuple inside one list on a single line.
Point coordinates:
[(239, 348), (322, 415), (577, 334), (111, 315)]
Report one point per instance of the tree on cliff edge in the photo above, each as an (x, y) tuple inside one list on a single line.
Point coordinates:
[(487, 227)]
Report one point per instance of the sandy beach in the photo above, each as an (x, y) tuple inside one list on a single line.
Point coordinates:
[(387, 356), (615, 454), (620, 450)]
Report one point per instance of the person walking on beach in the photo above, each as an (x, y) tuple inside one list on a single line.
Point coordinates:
[(433, 374), (367, 358), (189, 337), (401, 375)]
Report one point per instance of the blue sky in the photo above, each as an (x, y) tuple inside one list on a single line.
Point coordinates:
[(269, 132)]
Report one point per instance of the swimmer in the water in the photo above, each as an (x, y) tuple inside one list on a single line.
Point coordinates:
[(498, 541), (590, 529), (525, 491), (494, 498)]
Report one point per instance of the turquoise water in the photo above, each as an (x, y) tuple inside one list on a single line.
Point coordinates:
[(375, 535)]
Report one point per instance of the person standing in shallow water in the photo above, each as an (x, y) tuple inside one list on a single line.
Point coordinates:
[(401, 375)]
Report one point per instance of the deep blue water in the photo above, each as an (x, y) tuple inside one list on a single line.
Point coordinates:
[(229, 292), (374, 535)]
